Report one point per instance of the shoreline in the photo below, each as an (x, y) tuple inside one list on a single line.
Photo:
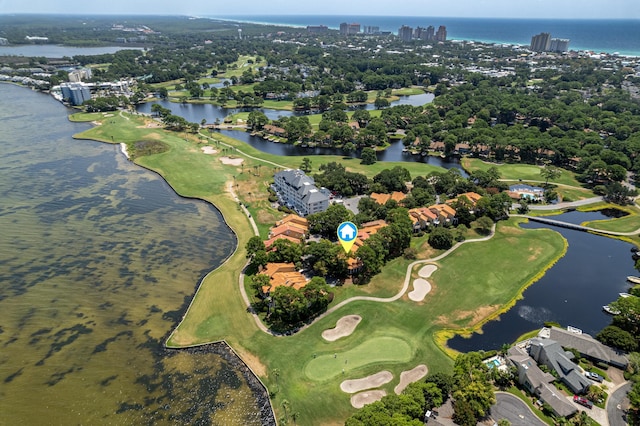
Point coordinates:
[(264, 20), (442, 337)]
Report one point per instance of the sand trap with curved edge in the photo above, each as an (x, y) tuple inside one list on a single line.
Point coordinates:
[(369, 382), (420, 289), (344, 327), (231, 161), (359, 400), (427, 270), (410, 376), (209, 150)]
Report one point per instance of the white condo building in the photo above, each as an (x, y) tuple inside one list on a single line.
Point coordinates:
[(298, 191)]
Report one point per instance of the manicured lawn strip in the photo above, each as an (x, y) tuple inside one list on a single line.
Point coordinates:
[(529, 335), (408, 91), (526, 172), (628, 223), (475, 276)]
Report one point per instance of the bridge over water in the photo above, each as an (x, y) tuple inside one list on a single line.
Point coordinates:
[(568, 225)]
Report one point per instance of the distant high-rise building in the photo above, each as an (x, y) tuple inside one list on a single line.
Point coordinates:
[(317, 29), (370, 29), (405, 33), (559, 45), (420, 33), (541, 42), (349, 29), (441, 35), (431, 33)]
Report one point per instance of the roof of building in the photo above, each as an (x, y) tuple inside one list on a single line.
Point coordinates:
[(540, 381), (443, 209), (587, 345), (383, 198), (290, 229), (283, 274), (561, 362), (270, 241), (293, 218)]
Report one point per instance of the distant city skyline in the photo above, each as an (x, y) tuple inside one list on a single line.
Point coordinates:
[(544, 9)]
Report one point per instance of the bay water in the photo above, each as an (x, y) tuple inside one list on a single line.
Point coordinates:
[(98, 261)]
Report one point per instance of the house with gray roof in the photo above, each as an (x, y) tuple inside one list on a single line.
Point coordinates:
[(550, 353), (539, 383), (586, 345), (298, 191)]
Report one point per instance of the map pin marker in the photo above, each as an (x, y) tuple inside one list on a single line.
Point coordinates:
[(347, 233)]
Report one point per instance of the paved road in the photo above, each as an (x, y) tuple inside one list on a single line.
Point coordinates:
[(515, 410), (616, 404)]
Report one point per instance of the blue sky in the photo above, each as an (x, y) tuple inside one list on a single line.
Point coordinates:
[(560, 9)]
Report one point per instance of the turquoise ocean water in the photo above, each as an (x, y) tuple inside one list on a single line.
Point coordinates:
[(621, 36)]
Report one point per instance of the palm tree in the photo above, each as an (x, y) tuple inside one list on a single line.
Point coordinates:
[(285, 406)]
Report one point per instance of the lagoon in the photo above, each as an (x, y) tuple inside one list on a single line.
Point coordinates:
[(572, 292)]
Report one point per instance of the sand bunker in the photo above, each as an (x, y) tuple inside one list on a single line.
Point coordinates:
[(344, 327), (420, 289), (231, 161), (427, 270), (369, 382), (209, 150), (410, 376), (359, 400)]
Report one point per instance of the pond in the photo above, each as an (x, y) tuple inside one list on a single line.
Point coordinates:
[(392, 153), (572, 292)]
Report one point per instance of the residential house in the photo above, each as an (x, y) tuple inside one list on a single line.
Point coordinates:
[(586, 345), (298, 191), (282, 274), (436, 146), (383, 198), (268, 244), (462, 149), (445, 213), (539, 383), (294, 219), (274, 130), (422, 218), (550, 353), (290, 230), (366, 230)]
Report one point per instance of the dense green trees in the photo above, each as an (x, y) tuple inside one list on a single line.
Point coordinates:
[(472, 390), (441, 238), (368, 156)]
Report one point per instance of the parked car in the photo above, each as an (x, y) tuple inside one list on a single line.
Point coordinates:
[(582, 401), (594, 376)]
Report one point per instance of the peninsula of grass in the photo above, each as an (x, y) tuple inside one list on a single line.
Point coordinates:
[(475, 282)]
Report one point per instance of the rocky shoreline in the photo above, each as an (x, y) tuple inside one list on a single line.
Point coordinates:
[(259, 390)]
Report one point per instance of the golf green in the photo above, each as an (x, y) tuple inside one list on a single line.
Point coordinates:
[(372, 351)]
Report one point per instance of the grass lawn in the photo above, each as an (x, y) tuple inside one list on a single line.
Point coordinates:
[(381, 349), (477, 281), (516, 172), (628, 223)]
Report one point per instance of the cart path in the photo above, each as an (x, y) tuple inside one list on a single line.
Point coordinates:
[(402, 291)]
